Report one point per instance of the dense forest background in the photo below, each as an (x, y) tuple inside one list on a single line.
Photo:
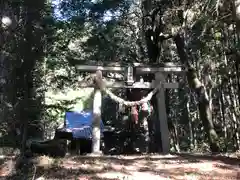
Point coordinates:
[(42, 41)]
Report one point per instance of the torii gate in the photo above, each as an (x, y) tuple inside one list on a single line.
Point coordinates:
[(159, 84)]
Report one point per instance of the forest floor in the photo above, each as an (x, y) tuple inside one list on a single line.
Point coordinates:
[(154, 167)]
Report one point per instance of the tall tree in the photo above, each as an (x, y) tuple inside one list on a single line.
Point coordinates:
[(156, 31), (31, 51)]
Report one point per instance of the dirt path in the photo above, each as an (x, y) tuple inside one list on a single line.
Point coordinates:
[(155, 167)]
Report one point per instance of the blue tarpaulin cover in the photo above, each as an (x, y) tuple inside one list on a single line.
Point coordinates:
[(80, 124)]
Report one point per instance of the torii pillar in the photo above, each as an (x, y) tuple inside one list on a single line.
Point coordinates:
[(162, 114), (160, 78)]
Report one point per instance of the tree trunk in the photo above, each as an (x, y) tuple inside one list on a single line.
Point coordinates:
[(31, 51), (237, 66), (3, 80), (176, 137), (190, 124), (27, 67), (234, 112), (236, 14), (236, 133), (152, 27), (203, 99), (223, 114), (6, 38)]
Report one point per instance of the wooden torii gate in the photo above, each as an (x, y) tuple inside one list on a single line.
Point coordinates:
[(159, 83)]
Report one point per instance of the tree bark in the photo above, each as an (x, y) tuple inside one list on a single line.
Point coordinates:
[(31, 51), (152, 28), (200, 90), (190, 124), (234, 112), (237, 66), (26, 67), (223, 113), (6, 41), (236, 14)]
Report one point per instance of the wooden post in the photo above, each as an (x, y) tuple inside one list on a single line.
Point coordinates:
[(96, 133), (67, 146), (162, 114), (78, 148)]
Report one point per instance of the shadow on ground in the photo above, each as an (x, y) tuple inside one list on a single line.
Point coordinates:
[(223, 159), (175, 167)]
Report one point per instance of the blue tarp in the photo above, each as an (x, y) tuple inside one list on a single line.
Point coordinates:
[(80, 124)]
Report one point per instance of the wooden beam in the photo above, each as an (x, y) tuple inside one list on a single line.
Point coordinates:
[(90, 68), (136, 85), (146, 70), (139, 70), (170, 85)]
